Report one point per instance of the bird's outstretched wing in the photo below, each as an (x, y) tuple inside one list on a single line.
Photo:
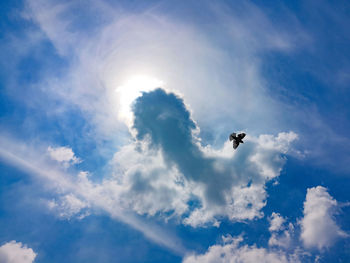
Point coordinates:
[(241, 135), (235, 144), (232, 136)]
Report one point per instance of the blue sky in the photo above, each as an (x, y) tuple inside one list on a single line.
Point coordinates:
[(115, 117)]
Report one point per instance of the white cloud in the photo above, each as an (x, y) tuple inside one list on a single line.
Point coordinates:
[(109, 57), (49, 16), (150, 185), (276, 222), (232, 251), (144, 182), (319, 228), (78, 195), (281, 235), (63, 155), (147, 184), (249, 173), (270, 167), (16, 252), (282, 238), (68, 206)]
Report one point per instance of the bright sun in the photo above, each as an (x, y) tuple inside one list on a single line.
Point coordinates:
[(132, 89)]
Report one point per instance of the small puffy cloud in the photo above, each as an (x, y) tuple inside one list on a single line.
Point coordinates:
[(233, 251), (282, 238), (63, 155), (16, 252), (319, 228), (68, 206), (281, 233), (276, 222)]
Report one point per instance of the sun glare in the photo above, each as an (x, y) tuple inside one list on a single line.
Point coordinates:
[(132, 89)]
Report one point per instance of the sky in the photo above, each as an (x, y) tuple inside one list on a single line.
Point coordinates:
[(115, 119)]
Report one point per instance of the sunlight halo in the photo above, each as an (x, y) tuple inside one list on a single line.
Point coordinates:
[(130, 90)]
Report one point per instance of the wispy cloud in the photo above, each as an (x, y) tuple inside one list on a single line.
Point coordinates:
[(157, 44), (80, 190), (107, 52)]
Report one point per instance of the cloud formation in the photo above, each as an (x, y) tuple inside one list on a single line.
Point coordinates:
[(76, 195), (169, 170), (281, 232), (68, 206), (164, 171), (276, 222), (319, 228), (16, 252), (232, 251), (109, 57), (63, 155)]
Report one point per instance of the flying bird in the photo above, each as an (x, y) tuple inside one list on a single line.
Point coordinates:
[(237, 139)]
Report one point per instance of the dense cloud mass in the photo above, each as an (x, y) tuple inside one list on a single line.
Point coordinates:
[(16, 252), (319, 228), (167, 170)]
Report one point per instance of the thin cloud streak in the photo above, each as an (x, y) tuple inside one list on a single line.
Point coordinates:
[(63, 183)]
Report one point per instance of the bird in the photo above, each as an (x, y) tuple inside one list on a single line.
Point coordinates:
[(237, 139)]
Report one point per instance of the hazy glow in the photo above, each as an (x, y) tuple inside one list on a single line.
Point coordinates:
[(132, 89)]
